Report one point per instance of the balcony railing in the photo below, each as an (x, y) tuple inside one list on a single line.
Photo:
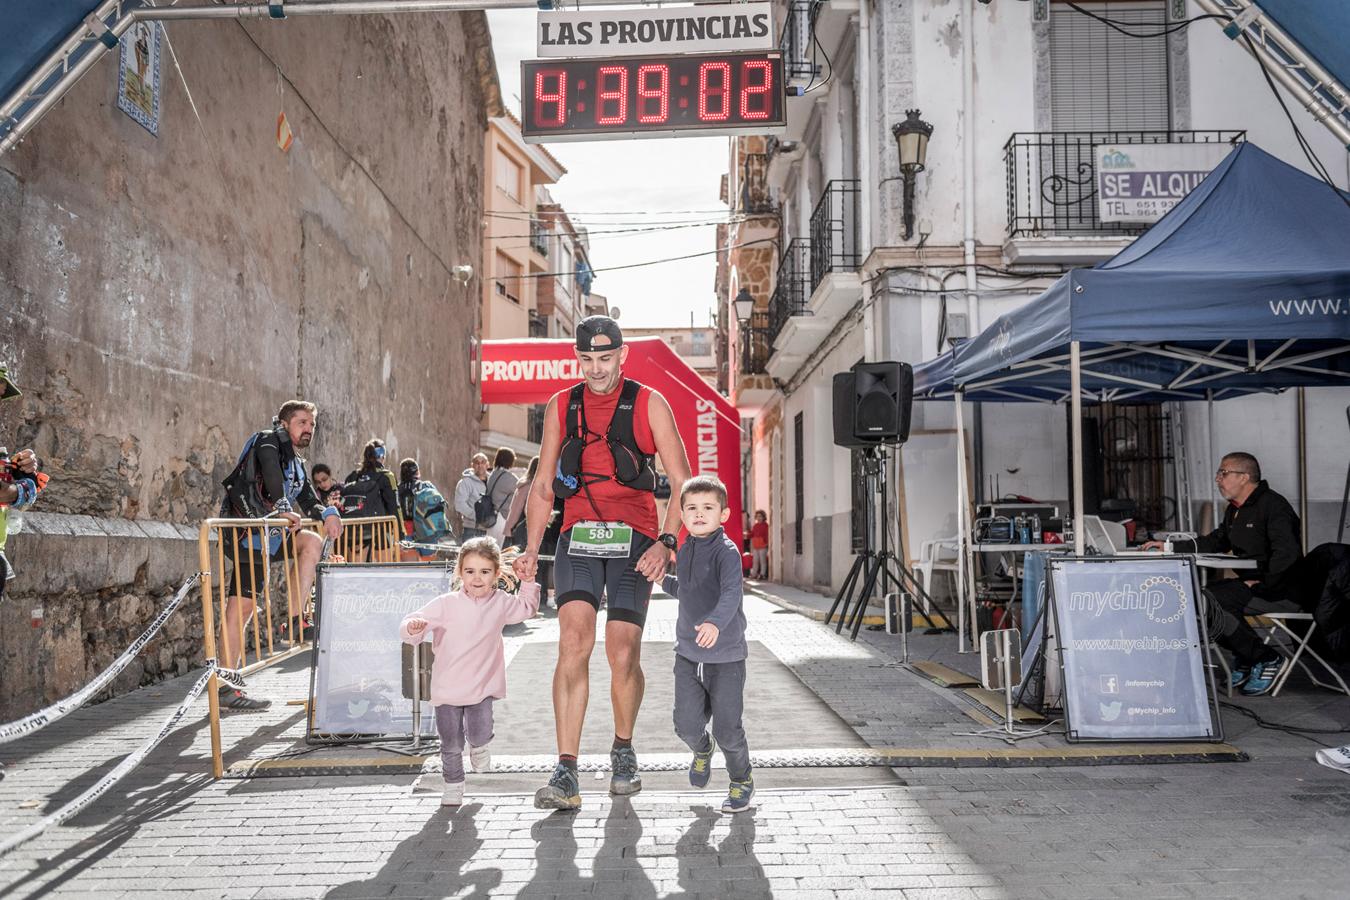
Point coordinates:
[(834, 230), (756, 344), (792, 288), (538, 325), (539, 237), (1052, 178), (796, 39), (756, 199)]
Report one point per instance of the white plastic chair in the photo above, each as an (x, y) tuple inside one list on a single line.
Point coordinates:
[(937, 556)]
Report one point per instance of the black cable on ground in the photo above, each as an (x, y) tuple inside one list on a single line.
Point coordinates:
[(1280, 726)]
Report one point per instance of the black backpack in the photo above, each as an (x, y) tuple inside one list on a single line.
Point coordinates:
[(361, 498), (485, 508)]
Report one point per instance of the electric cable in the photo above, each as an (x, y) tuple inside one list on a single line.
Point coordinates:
[(1119, 24), (1281, 726), (1308, 152), (638, 265), (828, 63)]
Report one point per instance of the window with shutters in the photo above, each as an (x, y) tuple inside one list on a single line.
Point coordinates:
[(1101, 79), (509, 174)]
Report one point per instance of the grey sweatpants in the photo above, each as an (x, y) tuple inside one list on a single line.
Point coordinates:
[(455, 724), (705, 691)]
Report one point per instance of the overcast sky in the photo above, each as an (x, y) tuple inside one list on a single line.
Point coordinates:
[(617, 184)]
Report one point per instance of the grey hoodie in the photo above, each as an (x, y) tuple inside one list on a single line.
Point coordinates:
[(709, 587)]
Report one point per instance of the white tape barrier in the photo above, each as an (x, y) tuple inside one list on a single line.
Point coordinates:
[(60, 709), (118, 773)]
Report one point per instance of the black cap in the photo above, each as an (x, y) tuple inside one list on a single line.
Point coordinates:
[(593, 327)]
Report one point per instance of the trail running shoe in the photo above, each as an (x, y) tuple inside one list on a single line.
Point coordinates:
[(1263, 676), (480, 758), (453, 795), (624, 766), (561, 792), (738, 796), (700, 770), (233, 698), (1238, 676)]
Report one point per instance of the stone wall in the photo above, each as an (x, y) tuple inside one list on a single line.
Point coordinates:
[(160, 297)]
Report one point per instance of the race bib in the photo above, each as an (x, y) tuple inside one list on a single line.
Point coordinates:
[(602, 540)]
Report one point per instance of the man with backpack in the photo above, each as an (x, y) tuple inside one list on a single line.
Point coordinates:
[(495, 503), (370, 491), (471, 489), (269, 480), (423, 510)]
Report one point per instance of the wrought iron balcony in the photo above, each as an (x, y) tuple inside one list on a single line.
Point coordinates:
[(1052, 178), (756, 344), (792, 287), (834, 230), (539, 237), (756, 199), (796, 38)]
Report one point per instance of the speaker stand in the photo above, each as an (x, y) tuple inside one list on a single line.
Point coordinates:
[(872, 568)]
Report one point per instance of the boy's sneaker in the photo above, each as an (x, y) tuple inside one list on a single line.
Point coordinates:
[(1263, 676), (453, 795), (700, 770), (561, 792), (738, 796), (233, 698), (624, 766), (1238, 676), (480, 758)]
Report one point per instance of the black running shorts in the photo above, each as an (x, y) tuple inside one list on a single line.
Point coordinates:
[(625, 590)]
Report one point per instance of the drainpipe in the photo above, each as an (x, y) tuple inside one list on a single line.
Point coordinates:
[(968, 159), (863, 116)]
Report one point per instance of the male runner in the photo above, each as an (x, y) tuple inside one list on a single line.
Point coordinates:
[(600, 441)]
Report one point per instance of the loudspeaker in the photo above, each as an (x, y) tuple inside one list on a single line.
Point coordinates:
[(872, 403)]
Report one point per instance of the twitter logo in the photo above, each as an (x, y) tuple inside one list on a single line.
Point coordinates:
[(1110, 711), (357, 708)]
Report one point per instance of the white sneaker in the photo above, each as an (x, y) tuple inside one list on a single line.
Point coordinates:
[(453, 795), (480, 758)]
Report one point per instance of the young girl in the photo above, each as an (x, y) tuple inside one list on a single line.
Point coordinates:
[(470, 667)]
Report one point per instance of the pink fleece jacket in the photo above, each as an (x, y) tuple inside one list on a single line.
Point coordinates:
[(466, 636)]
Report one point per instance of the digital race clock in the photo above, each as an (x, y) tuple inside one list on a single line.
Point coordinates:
[(652, 96)]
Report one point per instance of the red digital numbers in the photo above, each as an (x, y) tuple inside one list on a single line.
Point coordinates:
[(755, 88), (663, 94), (653, 93), (611, 95), (714, 86), (550, 98)]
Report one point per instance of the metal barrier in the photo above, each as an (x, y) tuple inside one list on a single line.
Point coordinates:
[(377, 536)]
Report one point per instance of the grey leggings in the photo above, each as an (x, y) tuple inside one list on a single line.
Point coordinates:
[(455, 724), (713, 691)]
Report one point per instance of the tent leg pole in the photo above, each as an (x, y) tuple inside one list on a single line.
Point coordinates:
[(1303, 466), (1213, 487), (1076, 433), (966, 598)]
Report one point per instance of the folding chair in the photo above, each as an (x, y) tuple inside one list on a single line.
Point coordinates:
[(1278, 621)]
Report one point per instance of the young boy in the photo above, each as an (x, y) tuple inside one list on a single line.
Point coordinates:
[(710, 646)]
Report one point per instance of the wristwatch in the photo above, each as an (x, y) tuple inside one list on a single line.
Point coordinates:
[(671, 542)]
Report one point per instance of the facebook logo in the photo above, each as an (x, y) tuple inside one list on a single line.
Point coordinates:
[(1110, 684)]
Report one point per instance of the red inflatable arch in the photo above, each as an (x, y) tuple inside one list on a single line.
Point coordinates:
[(532, 371)]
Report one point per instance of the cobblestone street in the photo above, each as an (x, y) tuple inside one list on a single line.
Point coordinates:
[(1277, 825)]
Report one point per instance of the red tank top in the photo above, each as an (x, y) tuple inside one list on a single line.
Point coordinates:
[(615, 502)]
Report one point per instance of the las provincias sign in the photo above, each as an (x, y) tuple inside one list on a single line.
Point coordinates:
[(638, 32)]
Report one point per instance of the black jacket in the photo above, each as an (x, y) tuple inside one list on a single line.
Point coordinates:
[(1265, 529), (1320, 584), (275, 462)]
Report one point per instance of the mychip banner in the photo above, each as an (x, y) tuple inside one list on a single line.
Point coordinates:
[(357, 669), (1132, 650)]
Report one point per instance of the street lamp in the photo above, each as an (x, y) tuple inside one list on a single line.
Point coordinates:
[(745, 304), (911, 138)]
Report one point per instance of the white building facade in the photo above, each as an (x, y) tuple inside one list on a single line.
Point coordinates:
[(1017, 94)]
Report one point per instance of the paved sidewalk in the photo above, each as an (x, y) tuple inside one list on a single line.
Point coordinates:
[(1277, 826)]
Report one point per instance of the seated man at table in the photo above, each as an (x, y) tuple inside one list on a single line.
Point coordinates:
[(1258, 524)]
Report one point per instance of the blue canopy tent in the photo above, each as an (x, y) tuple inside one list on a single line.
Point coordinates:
[(1243, 287)]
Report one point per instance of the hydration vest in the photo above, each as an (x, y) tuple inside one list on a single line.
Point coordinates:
[(632, 468)]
